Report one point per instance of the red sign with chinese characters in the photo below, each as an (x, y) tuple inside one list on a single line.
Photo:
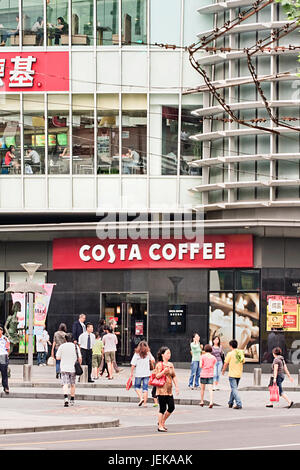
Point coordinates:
[(34, 71), (215, 251)]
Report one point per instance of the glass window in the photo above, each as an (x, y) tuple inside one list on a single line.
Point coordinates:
[(83, 134), (221, 280), (33, 13), (169, 140), (168, 12), (247, 280), (221, 317), (10, 143), (13, 277), (57, 22), (134, 21), (34, 134), (107, 22), (10, 24), (134, 134), (190, 149), (58, 134), (82, 22), (108, 134), (247, 324)]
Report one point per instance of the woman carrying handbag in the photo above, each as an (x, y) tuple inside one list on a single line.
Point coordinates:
[(164, 373), (279, 369)]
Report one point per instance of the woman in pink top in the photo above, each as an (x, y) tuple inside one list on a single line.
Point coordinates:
[(207, 365)]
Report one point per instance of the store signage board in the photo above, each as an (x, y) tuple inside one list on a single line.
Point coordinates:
[(34, 71), (216, 251), (283, 312), (176, 318)]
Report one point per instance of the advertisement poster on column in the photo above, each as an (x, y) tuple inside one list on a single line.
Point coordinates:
[(283, 313)]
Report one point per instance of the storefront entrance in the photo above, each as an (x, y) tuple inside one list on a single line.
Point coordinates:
[(130, 311)]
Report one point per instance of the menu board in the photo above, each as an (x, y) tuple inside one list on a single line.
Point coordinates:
[(283, 312), (176, 318)]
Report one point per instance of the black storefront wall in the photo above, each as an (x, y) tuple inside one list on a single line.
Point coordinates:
[(79, 291)]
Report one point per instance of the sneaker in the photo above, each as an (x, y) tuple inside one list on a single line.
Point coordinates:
[(72, 402), (66, 403), (191, 388), (230, 405), (237, 407), (155, 405), (6, 390)]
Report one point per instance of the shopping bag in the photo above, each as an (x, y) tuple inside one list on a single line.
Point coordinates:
[(51, 361), (274, 393), (129, 383)]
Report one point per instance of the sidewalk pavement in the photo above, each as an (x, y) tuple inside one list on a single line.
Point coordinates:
[(95, 400)]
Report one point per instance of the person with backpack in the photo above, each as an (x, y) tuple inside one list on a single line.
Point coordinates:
[(279, 370), (235, 359)]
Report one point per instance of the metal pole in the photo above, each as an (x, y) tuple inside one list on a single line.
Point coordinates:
[(257, 376), (30, 330)]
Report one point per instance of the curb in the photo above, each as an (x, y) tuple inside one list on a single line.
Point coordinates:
[(106, 398), (62, 427)]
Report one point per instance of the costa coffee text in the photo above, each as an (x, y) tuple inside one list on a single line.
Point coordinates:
[(156, 252)]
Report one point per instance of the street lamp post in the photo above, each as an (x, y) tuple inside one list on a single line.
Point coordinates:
[(29, 288)]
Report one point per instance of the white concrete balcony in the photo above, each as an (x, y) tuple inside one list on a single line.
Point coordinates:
[(248, 27), (247, 205), (244, 184), (207, 162), (222, 6), (213, 110), (216, 58), (238, 133)]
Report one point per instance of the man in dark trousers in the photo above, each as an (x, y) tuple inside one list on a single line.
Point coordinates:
[(86, 342), (4, 351), (78, 327)]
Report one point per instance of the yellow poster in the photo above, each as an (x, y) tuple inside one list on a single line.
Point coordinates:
[(274, 320)]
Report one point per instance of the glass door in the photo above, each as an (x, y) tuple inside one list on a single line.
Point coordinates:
[(130, 311)]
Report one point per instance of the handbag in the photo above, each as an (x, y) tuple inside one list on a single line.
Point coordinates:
[(51, 361), (78, 368), (155, 382), (274, 393), (129, 384)]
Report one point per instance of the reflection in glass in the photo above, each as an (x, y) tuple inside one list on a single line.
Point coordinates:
[(221, 280), (108, 134), (169, 140), (221, 318), (83, 134), (247, 279), (107, 22), (247, 324), (57, 22), (10, 144), (134, 134), (82, 22), (134, 22), (33, 13), (58, 134), (34, 134), (190, 149), (10, 23)]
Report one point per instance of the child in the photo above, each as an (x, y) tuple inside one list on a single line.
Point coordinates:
[(97, 356)]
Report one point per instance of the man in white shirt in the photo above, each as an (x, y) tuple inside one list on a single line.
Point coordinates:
[(86, 342), (4, 349), (66, 353)]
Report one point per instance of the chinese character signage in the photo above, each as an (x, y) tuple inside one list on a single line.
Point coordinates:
[(38, 71), (283, 313), (176, 318)]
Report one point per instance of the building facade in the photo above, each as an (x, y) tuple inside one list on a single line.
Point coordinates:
[(101, 143)]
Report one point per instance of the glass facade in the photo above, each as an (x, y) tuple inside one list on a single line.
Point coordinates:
[(59, 139)]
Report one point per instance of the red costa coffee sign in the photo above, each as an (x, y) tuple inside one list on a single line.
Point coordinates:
[(224, 251), (34, 71)]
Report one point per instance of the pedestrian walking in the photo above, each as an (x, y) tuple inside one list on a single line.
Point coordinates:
[(164, 393), (217, 351), (207, 364), (67, 356), (102, 327), (97, 356), (58, 339), (140, 367), (110, 342), (86, 342), (235, 359), (4, 352), (113, 324), (103, 365), (279, 369), (79, 327), (42, 342), (195, 363)]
